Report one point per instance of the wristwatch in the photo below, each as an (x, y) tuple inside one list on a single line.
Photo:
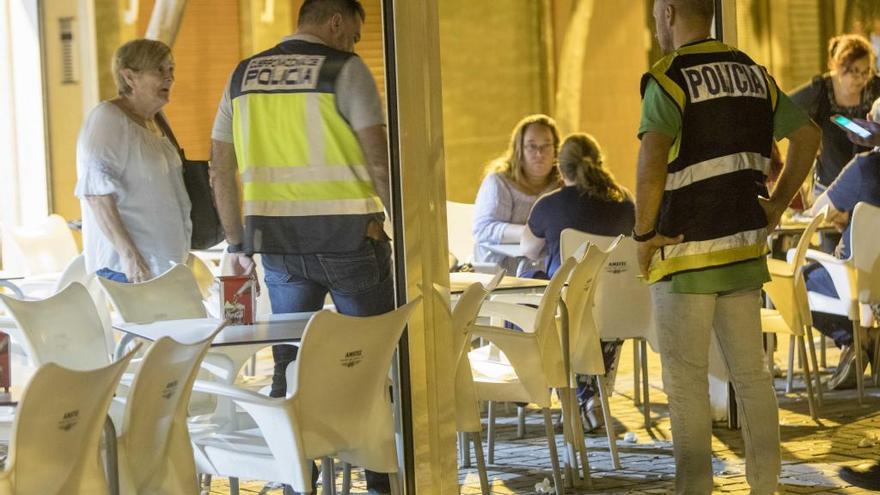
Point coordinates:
[(647, 236), (235, 248)]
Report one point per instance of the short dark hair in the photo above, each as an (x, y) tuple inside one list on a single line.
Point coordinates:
[(704, 9), (315, 12)]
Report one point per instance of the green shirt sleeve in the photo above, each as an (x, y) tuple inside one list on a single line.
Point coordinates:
[(659, 112), (788, 117)]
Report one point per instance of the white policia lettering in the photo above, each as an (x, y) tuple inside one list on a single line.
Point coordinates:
[(282, 72), (720, 79)]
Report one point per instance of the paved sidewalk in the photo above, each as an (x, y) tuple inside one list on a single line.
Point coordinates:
[(812, 452)]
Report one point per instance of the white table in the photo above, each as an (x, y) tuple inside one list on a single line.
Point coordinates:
[(268, 329), (459, 281)]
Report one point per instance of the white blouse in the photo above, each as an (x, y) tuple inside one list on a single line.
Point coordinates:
[(115, 155)]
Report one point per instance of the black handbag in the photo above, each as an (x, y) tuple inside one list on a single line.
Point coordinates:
[(207, 231)]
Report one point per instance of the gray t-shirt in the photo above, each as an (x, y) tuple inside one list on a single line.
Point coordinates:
[(357, 98)]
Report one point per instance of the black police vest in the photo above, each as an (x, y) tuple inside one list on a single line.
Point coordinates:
[(719, 161)]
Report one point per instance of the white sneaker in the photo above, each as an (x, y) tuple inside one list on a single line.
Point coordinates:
[(591, 415)]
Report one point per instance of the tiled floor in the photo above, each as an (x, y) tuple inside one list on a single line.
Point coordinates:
[(812, 452)]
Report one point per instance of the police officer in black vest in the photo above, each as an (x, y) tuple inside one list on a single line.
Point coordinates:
[(709, 118)]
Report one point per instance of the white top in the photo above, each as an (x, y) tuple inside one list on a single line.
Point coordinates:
[(114, 155), (357, 98), (498, 205)]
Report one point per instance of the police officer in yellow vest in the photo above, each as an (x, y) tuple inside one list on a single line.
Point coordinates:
[(709, 118), (301, 126)]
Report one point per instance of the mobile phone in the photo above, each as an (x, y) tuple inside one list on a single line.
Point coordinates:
[(849, 125)]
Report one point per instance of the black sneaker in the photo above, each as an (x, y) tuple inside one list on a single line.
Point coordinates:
[(863, 476)]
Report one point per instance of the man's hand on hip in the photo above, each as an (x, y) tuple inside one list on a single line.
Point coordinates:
[(772, 211), (647, 249)]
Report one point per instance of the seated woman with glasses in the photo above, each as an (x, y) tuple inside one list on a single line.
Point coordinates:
[(512, 184), (848, 89), (591, 201)]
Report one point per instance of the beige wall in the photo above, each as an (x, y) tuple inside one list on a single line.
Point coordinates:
[(616, 56), (490, 82), (490, 63)]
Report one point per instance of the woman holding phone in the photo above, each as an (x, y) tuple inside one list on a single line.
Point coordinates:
[(848, 89)]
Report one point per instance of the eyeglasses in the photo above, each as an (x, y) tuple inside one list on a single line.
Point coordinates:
[(862, 74), (536, 148)]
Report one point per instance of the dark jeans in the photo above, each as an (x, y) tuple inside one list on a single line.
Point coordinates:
[(359, 282), (839, 328), (587, 388), (112, 275)]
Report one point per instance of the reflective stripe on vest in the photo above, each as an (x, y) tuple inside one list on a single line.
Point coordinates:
[(299, 157), (703, 254), (715, 167)]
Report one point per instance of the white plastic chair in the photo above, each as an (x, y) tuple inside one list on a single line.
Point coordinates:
[(64, 328), (467, 405), (856, 280), (791, 314), (57, 431), (523, 366), (622, 307), (584, 346), (459, 223), (459, 230), (74, 272), (338, 405), (172, 295), (175, 295), (154, 447), (39, 250)]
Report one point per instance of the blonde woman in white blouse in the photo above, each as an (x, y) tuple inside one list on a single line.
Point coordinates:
[(512, 184), (135, 206)]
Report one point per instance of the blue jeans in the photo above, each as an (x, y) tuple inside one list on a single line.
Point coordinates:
[(112, 275), (359, 282)]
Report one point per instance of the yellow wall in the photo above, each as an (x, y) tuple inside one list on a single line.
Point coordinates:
[(616, 56), (490, 62)]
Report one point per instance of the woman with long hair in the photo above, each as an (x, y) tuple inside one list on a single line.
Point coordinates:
[(592, 201), (512, 184)]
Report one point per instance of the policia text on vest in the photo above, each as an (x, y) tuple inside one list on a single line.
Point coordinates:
[(720, 79), (282, 72)]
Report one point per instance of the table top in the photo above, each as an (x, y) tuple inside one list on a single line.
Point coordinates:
[(268, 329), (459, 281), (796, 225)]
